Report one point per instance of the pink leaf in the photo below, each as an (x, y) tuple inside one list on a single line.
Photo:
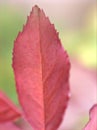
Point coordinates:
[(8, 111), (41, 68), (8, 126), (92, 125)]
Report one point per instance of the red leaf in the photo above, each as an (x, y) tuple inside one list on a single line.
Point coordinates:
[(41, 70), (92, 125), (8, 111), (8, 126)]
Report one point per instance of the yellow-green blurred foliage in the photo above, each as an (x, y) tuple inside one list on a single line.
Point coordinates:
[(10, 23)]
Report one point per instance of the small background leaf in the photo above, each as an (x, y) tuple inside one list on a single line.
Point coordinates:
[(8, 111)]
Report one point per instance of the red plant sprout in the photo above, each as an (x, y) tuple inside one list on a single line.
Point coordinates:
[(41, 68)]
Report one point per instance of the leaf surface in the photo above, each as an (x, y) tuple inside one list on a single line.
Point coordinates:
[(8, 111), (92, 125), (41, 68)]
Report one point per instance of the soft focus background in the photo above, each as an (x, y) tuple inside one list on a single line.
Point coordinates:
[(76, 22)]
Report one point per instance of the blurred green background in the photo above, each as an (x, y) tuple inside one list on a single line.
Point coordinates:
[(77, 33), (11, 22)]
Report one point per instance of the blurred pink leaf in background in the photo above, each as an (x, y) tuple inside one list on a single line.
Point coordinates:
[(83, 85), (92, 125)]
